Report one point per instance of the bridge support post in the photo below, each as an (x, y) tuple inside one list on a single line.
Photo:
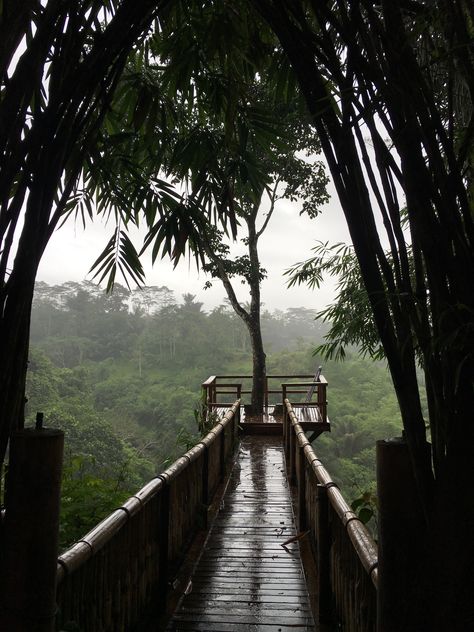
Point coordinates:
[(323, 544), (236, 422), (292, 459), (205, 486), (301, 488), (400, 524), (163, 543), (222, 454), (31, 532), (286, 425)]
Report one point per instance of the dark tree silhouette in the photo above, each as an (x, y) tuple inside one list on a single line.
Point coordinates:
[(55, 92), (402, 73)]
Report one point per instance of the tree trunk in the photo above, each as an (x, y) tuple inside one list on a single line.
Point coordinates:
[(250, 317), (449, 581), (259, 369), (254, 325), (14, 342), (42, 148)]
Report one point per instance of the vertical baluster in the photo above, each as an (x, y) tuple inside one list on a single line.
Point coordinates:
[(301, 489), (323, 555), (285, 420), (163, 543), (292, 473)]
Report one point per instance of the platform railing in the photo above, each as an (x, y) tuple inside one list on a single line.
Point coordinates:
[(218, 389), (345, 552), (122, 569), (320, 389)]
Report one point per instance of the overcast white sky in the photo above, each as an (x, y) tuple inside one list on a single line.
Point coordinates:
[(288, 239)]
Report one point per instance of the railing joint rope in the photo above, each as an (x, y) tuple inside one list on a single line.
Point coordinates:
[(87, 544), (127, 511), (373, 567)]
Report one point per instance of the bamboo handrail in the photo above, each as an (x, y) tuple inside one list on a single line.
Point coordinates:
[(365, 547), (349, 587), (123, 562)]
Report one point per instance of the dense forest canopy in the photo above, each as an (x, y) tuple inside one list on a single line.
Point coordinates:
[(120, 373)]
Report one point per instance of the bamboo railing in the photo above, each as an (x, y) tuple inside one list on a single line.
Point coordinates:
[(122, 568), (345, 553)]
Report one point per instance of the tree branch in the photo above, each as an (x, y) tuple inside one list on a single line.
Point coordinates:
[(273, 199)]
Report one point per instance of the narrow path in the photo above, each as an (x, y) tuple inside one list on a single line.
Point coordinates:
[(246, 580)]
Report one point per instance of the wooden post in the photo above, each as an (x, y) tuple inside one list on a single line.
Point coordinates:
[(31, 531), (322, 400), (204, 399), (400, 536), (301, 489), (163, 544), (222, 453), (237, 415), (323, 556), (292, 472), (205, 484), (285, 420), (214, 391)]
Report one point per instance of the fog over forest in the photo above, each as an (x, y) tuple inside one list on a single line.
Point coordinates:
[(121, 374)]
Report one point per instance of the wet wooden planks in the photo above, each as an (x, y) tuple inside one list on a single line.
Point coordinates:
[(246, 580), (265, 424), (308, 413)]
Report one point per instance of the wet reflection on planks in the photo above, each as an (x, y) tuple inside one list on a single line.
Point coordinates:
[(246, 580)]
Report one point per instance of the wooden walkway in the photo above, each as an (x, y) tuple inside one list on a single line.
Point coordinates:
[(245, 580)]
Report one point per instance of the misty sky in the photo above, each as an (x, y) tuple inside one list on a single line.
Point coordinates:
[(288, 239)]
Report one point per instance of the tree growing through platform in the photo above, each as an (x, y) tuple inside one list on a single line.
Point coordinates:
[(278, 173), (235, 146), (289, 178)]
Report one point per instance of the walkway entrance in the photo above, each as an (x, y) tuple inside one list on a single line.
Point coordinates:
[(249, 577)]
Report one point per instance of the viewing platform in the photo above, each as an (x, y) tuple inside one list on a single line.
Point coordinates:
[(250, 575), (246, 532), (308, 395)]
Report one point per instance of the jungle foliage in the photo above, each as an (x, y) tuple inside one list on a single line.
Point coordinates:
[(120, 373)]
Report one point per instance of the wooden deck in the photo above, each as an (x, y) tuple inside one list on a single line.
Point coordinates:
[(247, 579), (310, 419), (266, 418), (308, 416)]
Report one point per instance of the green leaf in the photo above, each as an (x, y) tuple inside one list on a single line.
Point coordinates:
[(365, 514)]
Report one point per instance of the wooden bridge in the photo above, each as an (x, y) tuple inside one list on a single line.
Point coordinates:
[(246, 531)]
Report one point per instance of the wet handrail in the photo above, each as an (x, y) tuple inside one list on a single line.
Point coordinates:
[(123, 566), (347, 556)]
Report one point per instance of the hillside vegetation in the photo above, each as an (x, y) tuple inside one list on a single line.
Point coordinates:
[(121, 374)]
